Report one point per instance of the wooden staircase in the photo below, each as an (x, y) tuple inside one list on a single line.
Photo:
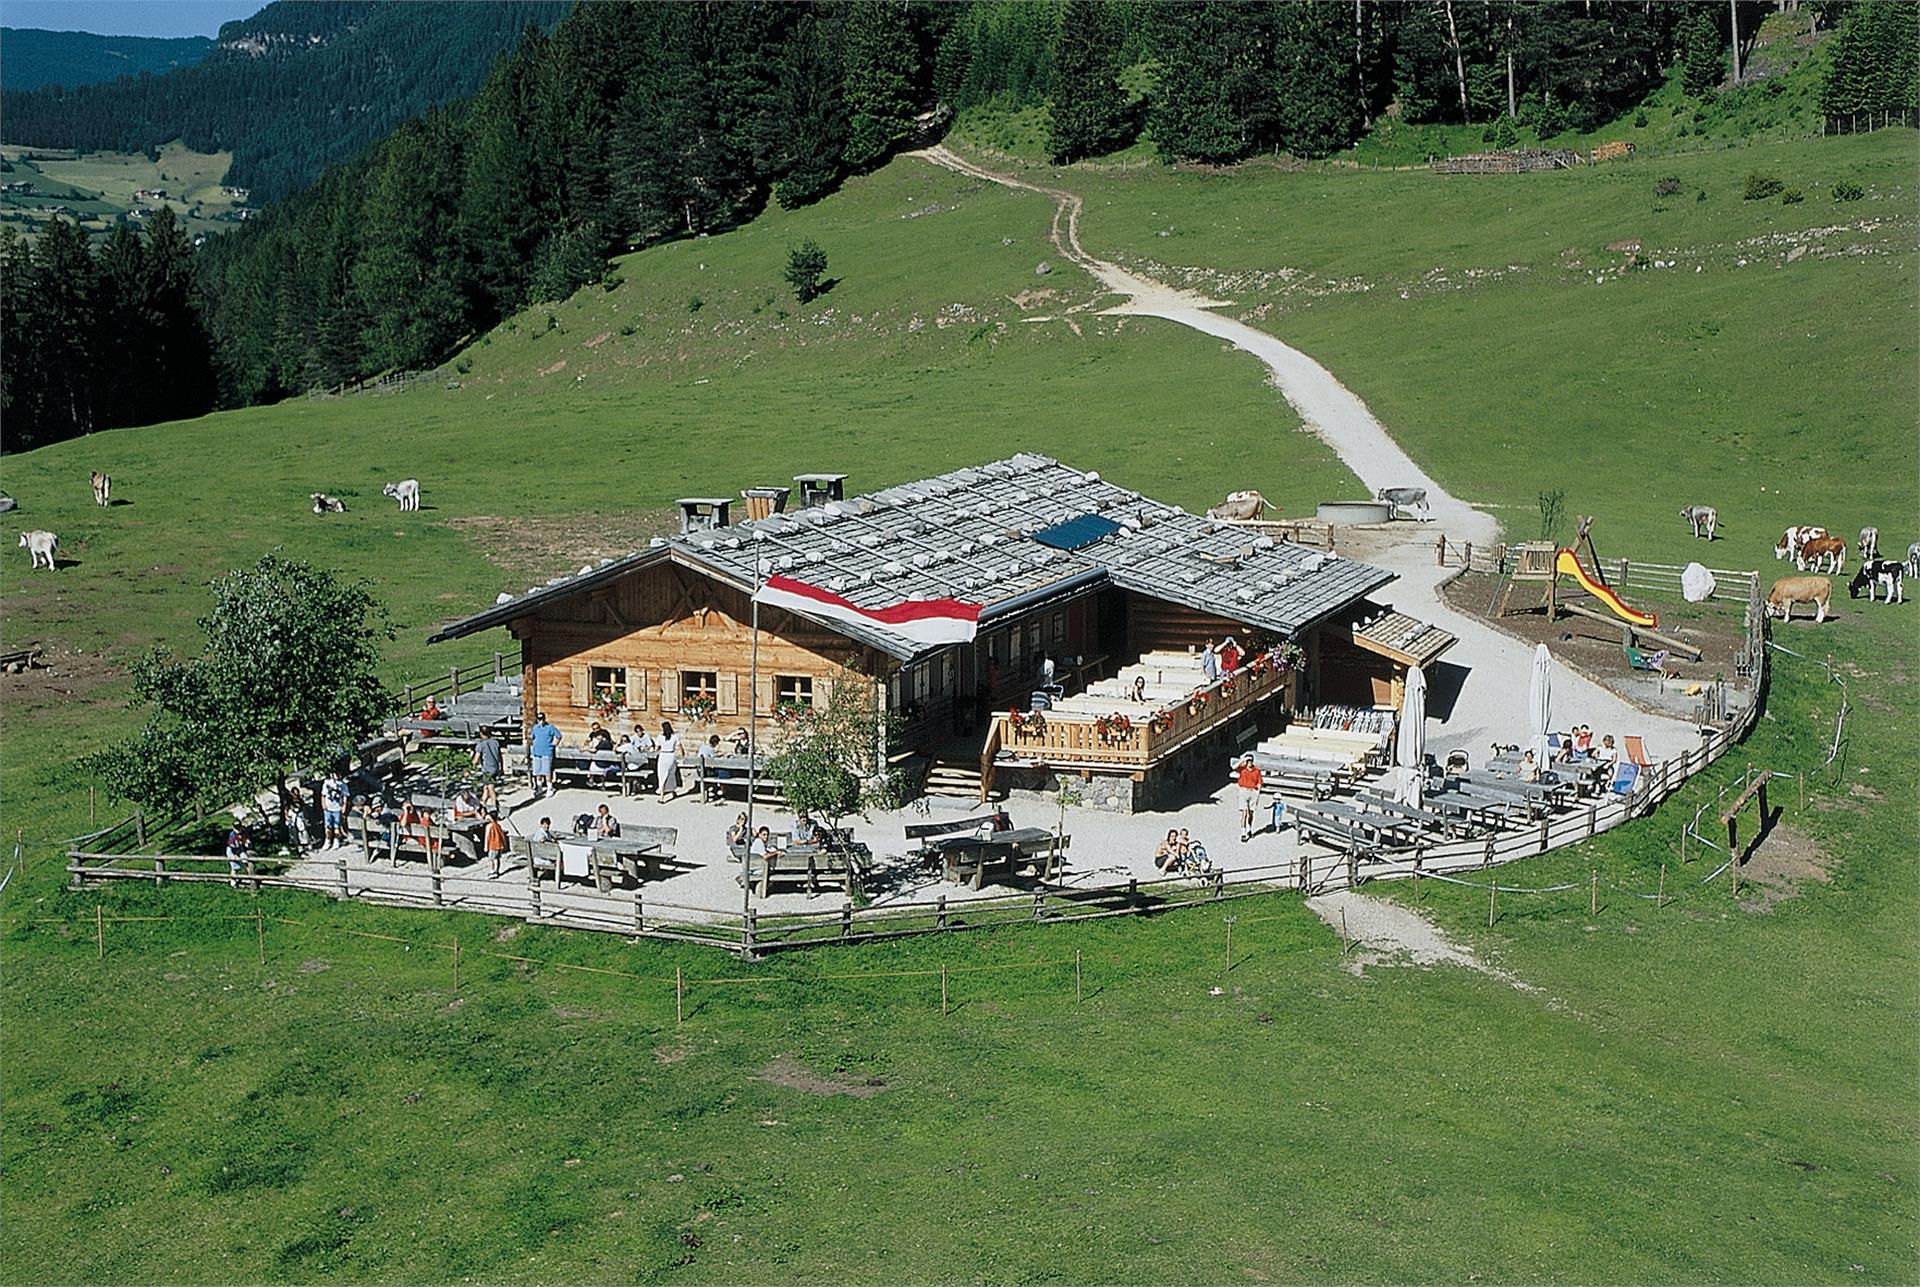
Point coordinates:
[(956, 776)]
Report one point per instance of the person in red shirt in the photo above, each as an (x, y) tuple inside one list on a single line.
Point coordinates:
[(1249, 780), (495, 841), (1230, 655)]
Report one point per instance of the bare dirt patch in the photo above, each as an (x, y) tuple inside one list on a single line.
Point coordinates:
[(1385, 933), (794, 1075), (62, 679), (531, 549), (1777, 869), (314, 965)]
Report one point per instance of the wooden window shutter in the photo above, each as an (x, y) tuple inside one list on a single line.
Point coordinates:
[(636, 688), (727, 698), (822, 693), (582, 685), (669, 690), (763, 696)]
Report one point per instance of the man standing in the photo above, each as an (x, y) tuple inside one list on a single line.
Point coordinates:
[(1210, 663), (487, 758), (333, 808), (542, 742), (1250, 779)]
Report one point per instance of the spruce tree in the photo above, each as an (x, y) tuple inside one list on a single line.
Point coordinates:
[(813, 116), (877, 68), (1320, 104), (1701, 64), (1089, 110)]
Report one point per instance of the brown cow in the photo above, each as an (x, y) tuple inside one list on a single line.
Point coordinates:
[(1612, 151), (1244, 507), (102, 489), (1791, 590), (1823, 554)]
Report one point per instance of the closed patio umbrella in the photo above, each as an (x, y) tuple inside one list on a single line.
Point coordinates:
[(1410, 744), (1540, 703)]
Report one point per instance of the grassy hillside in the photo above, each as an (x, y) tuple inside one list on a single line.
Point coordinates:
[(97, 188), (1700, 1091)]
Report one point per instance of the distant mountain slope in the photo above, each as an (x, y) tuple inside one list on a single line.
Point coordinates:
[(290, 91), (31, 58)]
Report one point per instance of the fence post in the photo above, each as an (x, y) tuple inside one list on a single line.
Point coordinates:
[(679, 997), (408, 698), (140, 826), (1133, 893), (1593, 819), (93, 805), (943, 989), (456, 963), (159, 871), (1660, 894), (1467, 559), (753, 932), (1440, 551), (260, 933), (639, 910), (433, 870), (846, 919), (533, 885), (1230, 921), (940, 913), (499, 666), (99, 933), (453, 684), (1488, 860), (1593, 891), (1543, 833), (1039, 905), (340, 872), (1076, 975), (1493, 888)]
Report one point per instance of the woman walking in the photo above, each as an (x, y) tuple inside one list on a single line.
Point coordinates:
[(667, 764)]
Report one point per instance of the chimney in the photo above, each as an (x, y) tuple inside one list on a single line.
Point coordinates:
[(819, 489), (764, 502), (703, 513)]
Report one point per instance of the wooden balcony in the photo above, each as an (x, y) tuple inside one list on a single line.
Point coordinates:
[(1071, 739)]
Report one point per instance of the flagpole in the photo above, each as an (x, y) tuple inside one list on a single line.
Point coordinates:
[(753, 744)]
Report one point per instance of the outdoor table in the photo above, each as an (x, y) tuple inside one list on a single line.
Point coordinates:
[(1384, 826), (1013, 848), (1413, 813)]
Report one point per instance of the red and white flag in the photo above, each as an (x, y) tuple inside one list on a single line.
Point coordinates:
[(924, 621)]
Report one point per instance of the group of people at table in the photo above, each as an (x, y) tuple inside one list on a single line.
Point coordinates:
[(1576, 751)]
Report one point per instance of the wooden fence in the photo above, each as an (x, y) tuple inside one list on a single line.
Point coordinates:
[(1731, 585), (457, 680)]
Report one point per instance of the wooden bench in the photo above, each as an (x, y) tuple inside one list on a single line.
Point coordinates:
[(965, 859), (573, 765), (803, 862), (636, 855), (925, 832), (1285, 775)]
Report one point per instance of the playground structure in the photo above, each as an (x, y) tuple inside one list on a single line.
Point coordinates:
[(1539, 565)]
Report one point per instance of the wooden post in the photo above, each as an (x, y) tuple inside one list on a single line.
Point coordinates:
[(940, 913), (140, 826), (453, 684), (499, 666), (159, 871), (1593, 891), (1466, 558), (340, 872), (679, 995), (846, 919), (533, 885), (1039, 905), (1593, 819), (93, 805), (1133, 892), (943, 989), (639, 910), (1440, 551), (1493, 888), (753, 931), (1660, 894), (1076, 975), (1733, 872), (407, 700), (1416, 872), (1230, 921), (1803, 788), (99, 933), (260, 933), (433, 870), (456, 963)]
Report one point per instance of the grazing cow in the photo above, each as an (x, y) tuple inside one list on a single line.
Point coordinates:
[(40, 546), (407, 492), (1876, 575), (1869, 543), (1241, 506), (1702, 517), (1913, 560), (102, 488), (1405, 498), (325, 504), (1823, 554), (1791, 590), (1788, 546)]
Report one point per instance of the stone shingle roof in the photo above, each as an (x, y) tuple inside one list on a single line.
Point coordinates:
[(968, 535)]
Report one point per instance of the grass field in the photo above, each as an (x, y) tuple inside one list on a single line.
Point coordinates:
[(1697, 1092), (98, 187)]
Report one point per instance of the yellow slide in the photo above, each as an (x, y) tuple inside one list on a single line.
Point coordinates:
[(1568, 564)]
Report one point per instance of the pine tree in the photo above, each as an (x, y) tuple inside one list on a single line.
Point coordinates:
[(813, 115), (64, 276), (1701, 62), (878, 67), (177, 359), (1321, 107), (1215, 97), (1089, 110)]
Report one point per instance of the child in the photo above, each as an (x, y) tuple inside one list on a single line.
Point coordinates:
[(495, 841)]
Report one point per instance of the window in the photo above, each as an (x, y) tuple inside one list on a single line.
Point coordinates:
[(792, 690), (608, 685), (699, 688), (1057, 628)]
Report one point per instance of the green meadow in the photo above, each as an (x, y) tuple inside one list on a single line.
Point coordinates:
[(1699, 1090)]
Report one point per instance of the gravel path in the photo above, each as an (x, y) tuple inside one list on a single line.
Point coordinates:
[(1385, 933), (1491, 704)]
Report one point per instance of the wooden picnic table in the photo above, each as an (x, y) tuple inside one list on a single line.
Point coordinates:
[(638, 854), (1013, 849), (1385, 827), (718, 774), (1451, 825), (835, 853), (1549, 792), (629, 771)]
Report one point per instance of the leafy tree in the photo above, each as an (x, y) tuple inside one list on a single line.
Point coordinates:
[(1089, 110), (1701, 63), (289, 673), (806, 265), (878, 63), (829, 762)]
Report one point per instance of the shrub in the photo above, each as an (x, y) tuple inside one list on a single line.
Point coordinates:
[(1792, 197), (629, 329), (1848, 190), (1682, 133), (806, 265), (463, 366), (1640, 119), (695, 304), (1702, 196), (1667, 187), (1760, 186)]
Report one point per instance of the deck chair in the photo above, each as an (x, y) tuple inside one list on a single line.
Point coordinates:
[(1625, 776), (1651, 660), (1637, 751)]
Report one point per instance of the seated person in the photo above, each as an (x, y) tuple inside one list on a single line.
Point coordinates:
[(1000, 821), (741, 741), (710, 774), (465, 806), (605, 825), (544, 832), (1529, 768), (598, 739), (1167, 856), (643, 744), (1139, 691), (432, 710), (763, 846), (1608, 752), (1582, 740), (737, 834), (805, 832)]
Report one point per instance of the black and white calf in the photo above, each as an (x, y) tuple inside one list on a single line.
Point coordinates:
[(1405, 498), (1704, 519), (1876, 575), (325, 504)]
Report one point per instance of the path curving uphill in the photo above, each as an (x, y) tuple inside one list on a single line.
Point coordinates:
[(1487, 706)]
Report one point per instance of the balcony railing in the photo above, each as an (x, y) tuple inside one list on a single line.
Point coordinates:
[(1080, 740)]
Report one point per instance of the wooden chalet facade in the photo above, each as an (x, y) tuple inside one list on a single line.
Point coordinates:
[(1067, 567)]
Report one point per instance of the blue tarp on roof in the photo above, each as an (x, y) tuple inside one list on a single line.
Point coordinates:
[(1077, 533)]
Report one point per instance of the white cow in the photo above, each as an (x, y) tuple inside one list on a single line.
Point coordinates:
[(1703, 518), (40, 547), (1913, 560), (102, 489), (325, 504), (406, 491), (1869, 543), (1405, 498), (1788, 546)]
